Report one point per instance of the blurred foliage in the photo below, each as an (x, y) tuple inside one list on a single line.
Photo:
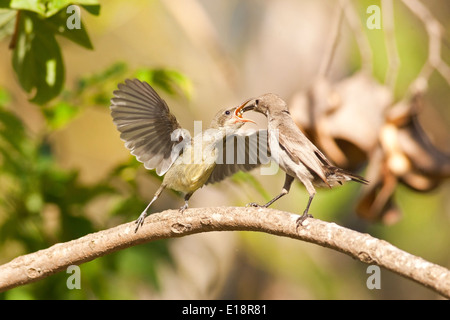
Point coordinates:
[(41, 203), (48, 8), (407, 35), (169, 80), (37, 58)]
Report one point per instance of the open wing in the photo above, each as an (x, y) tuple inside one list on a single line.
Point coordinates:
[(146, 125), (240, 152)]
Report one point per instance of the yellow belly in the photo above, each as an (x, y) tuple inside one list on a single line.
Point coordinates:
[(193, 168), (188, 177)]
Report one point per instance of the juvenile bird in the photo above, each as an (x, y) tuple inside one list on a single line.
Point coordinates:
[(295, 153), (152, 134)]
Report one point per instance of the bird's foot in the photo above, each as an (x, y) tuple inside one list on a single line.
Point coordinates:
[(255, 205), (140, 221), (184, 207), (302, 218)]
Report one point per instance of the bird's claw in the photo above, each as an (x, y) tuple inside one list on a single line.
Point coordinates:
[(302, 218), (140, 221)]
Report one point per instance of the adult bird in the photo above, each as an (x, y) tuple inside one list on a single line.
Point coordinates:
[(295, 153), (154, 136)]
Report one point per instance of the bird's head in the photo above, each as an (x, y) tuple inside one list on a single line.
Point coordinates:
[(230, 119), (266, 104)]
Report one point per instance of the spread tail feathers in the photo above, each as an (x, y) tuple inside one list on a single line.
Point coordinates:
[(335, 174)]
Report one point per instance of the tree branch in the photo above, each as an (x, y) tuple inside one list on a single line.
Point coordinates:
[(434, 60), (354, 22), (391, 46), (170, 223), (332, 42)]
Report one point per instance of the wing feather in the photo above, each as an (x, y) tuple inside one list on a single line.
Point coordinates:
[(301, 150), (240, 152), (145, 124)]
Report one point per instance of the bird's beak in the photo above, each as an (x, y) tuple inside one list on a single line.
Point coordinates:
[(239, 111), (250, 107)]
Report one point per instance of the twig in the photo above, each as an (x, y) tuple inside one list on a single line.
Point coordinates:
[(434, 60), (170, 224), (361, 39), (13, 42), (332, 42), (391, 47), (201, 31)]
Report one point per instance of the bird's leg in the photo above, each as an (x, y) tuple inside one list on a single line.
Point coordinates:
[(287, 186), (140, 221), (312, 191), (186, 199), (305, 214)]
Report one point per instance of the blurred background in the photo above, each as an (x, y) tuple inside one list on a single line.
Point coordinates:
[(370, 90)]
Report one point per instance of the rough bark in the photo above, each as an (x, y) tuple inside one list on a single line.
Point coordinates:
[(170, 223)]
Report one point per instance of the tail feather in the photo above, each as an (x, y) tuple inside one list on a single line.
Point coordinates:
[(335, 174)]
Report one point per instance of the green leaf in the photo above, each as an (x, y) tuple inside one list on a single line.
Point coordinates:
[(168, 80), (96, 79), (7, 19), (92, 9), (35, 5), (57, 24), (5, 97), (60, 114), (47, 8), (37, 59), (56, 5), (14, 145)]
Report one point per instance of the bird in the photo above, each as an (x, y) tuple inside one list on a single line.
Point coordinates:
[(295, 153), (154, 136)]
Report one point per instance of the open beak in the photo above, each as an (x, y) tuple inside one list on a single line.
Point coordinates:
[(239, 111), (250, 107)]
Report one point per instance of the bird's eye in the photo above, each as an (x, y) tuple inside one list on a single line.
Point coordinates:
[(256, 102), (227, 112)]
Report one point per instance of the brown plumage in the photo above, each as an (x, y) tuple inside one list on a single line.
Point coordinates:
[(295, 153)]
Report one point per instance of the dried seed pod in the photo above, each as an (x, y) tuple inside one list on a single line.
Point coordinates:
[(343, 119), (404, 155)]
